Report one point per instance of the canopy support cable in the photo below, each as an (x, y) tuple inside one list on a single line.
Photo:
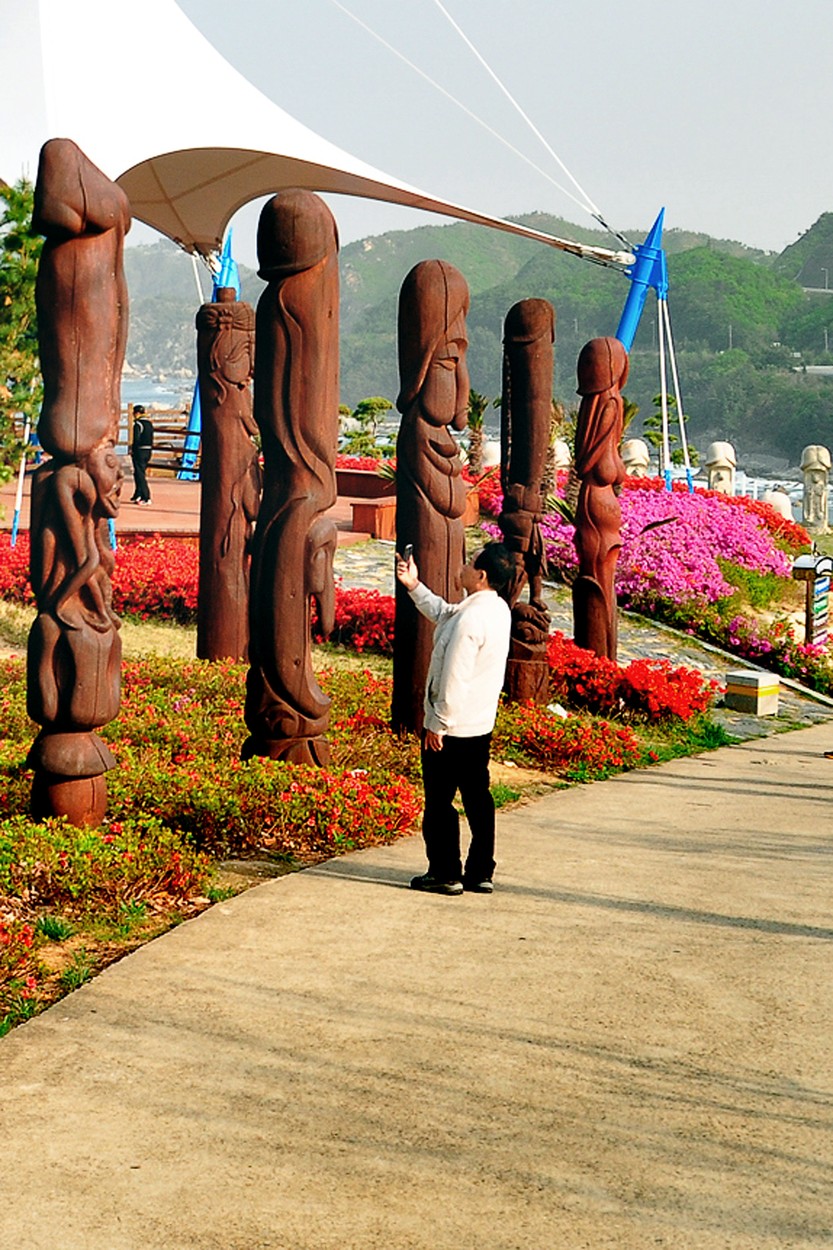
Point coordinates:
[(672, 356), (592, 208), (663, 395), (589, 205), (582, 204)]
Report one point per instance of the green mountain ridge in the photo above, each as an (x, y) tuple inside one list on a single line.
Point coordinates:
[(744, 328)]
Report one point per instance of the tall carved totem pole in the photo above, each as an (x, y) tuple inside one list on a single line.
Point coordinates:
[(296, 409), (430, 491), (602, 372), (74, 654), (230, 475), (526, 410)]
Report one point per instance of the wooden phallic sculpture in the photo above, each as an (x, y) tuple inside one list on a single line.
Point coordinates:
[(526, 408), (602, 372), (230, 475), (74, 653), (430, 491), (296, 409)]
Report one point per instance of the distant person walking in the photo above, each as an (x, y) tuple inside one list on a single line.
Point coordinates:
[(141, 450)]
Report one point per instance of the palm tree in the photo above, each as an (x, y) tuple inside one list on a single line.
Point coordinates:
[(557, 414), (477, 407)]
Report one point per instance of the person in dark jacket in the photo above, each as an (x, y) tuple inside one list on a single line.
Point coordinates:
[(141, 450)]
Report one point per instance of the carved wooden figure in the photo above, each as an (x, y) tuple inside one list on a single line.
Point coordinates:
[(296, 409), (526, 409), (602, 372), (430, 491), (229, 473), (74, 652)]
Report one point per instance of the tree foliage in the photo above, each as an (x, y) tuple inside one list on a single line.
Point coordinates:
[(361, 428), (652, 432), (21, 390)]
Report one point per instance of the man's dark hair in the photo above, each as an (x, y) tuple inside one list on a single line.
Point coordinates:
[(138, 410), (497, 564)]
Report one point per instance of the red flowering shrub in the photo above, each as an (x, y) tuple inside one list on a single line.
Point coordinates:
[(579, 748), (178, 740), (319, 811), (154, 577), (658, 690), (157, 577), (490, 491), (54, 864), (17, 968), (363, 620), (652, 689), (369, 463), (14, 568)]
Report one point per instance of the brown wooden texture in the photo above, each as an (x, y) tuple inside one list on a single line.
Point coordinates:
[(74, 652), (230, 476), (296, 409), (602, 372), (430, 491), (526, 413)]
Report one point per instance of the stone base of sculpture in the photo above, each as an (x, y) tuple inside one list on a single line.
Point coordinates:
[(70, 777), (527, 675)]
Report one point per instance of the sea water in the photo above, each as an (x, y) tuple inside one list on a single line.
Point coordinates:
[(148, 391)]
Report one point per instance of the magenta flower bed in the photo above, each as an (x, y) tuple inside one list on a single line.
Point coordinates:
[(678, 560)]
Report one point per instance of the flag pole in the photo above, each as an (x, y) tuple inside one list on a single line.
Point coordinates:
[(18, 500)]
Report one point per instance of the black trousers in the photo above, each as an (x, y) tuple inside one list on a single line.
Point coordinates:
[(141, 460), (462, 764)]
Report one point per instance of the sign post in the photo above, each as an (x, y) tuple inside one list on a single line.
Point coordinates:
[(814, 571)]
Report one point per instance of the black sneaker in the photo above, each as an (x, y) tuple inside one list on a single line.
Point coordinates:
[(431, 885), (478, 887)]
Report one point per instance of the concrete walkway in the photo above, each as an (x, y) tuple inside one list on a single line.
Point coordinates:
[(629, 1045)]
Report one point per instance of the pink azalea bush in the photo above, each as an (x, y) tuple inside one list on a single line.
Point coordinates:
[(683, 556), (673, 543), (680, 560)]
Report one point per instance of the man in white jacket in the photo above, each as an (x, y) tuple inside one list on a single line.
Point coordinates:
[(465, 678)]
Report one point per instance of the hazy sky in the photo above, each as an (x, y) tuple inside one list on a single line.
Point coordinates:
[(718, 109)]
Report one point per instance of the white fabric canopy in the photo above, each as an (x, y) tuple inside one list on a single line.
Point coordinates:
[(121, 84)]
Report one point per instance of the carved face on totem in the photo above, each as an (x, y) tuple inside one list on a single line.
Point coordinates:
[(446, 386), (104, 467), (433, 343)]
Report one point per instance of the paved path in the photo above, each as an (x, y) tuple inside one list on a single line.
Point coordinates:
[(630, 1044)]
